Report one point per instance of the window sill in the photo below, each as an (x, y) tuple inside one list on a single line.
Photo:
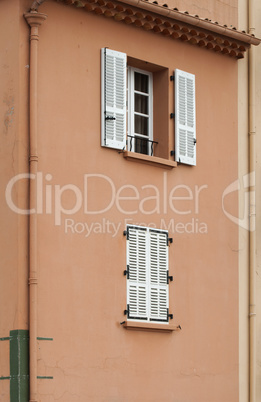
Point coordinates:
[(149, 160), (146, 326)]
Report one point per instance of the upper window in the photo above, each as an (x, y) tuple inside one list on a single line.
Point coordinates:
[(146, 130), (147, 274), (140, 110)]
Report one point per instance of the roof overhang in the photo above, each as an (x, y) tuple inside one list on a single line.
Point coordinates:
[(172, 23)]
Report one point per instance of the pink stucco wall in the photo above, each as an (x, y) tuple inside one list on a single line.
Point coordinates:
[(81, 287)]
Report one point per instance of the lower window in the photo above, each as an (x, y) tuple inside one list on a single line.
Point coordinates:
[(147, 274)]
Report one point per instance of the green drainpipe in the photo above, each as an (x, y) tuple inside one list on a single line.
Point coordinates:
[(19, 365)]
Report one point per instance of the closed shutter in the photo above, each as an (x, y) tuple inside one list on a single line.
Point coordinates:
[(158, 276), (147, 268), (137, 292), (113, 99), (185, 118)]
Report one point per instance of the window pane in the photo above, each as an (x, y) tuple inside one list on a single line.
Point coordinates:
[(141, 146), (141, 83), (141, 104), (141, 124)]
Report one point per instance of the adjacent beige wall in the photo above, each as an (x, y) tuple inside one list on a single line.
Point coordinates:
[(243, 234), (258, 196)]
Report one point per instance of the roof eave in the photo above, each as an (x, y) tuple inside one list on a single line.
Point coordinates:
[(173, 23), (195, 21)]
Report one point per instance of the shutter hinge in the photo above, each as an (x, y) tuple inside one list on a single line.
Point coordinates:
[(127, 311), (172, 115), (195, 141), (126, 233), (172, 153), (127, 272), (169, 240), (110, 118), (169, 315), (121, 151), (172, 77), (169, 278)]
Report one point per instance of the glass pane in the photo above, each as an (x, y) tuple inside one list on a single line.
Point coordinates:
[(141, 124), (141, 83), (141, 146), (141, 104)]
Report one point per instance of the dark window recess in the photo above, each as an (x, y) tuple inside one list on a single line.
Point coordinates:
[(142, 145)]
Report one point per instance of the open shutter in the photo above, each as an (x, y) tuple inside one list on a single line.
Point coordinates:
[(158, 286), (137, 292), (185, 118), (113, 99)]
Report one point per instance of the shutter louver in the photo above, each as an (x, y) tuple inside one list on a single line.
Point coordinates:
[(185, 118), (113, 99)]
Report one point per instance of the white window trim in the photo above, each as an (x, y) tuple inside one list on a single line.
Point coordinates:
[(131, 112)]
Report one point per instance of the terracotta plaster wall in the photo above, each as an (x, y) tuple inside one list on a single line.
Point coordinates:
[(13, 160), (82, 289)]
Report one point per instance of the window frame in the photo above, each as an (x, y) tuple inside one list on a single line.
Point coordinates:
[(131, 109)]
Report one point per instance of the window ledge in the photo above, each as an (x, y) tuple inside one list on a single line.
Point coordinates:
[(146, 326), (149, 160)]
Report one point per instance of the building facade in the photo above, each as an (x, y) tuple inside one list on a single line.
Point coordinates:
[(119, 155)]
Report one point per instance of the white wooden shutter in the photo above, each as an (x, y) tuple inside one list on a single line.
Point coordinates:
[(137, 292), (185, 118), (147, 270), (113, 99), (158, 287)]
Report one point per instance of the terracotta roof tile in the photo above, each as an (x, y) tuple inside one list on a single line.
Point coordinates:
[(161, 19)]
